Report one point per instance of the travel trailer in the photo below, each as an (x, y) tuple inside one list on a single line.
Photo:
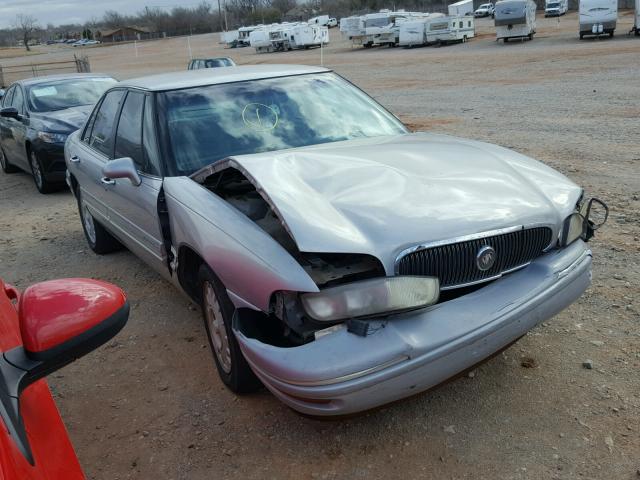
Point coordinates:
[(243, 35), (230, 39), (451, 29), (516, 19), (260, 39), (280, 37), (555, 8), (352, 27), (320, 20), (464, 7), (413, 32), (598, 17), (383, 28), (436, 28)]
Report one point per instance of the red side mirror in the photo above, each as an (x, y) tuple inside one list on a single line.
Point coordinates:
[(60, 321), (57, 313)]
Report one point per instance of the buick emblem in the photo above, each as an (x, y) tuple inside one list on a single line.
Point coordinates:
[(485, 258)]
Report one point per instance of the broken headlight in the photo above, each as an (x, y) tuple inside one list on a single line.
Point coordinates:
[(582, 223), (376, 296)]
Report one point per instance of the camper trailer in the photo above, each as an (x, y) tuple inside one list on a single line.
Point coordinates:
[(230, 39), (260, 38), (383, 28), (352, 27), (598, 17), (322, 20), (462, 8), (451, 29), (555, 8), (515, 19), (243, 35), (413, 32)]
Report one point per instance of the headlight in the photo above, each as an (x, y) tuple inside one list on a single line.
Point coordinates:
[(376, 296), (50, 137)]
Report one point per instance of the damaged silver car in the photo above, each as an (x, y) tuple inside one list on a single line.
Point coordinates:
[(339, 259)]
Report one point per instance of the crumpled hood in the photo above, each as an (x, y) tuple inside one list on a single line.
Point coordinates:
[(67, 120), (382, 195)]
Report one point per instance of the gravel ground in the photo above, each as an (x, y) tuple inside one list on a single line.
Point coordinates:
[(149, 405)]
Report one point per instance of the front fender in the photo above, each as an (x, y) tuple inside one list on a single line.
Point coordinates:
[(248, 261)]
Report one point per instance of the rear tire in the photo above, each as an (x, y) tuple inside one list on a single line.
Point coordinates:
[(98, 238), (37, 171), (5, 165), (217, 312)]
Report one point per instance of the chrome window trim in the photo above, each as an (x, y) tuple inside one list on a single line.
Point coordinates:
[(476, 236)]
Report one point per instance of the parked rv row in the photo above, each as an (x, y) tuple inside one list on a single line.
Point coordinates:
[(278, 37), (407, 29), (517, 18)]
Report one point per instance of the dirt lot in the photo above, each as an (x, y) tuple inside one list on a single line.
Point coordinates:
[(149, 405)]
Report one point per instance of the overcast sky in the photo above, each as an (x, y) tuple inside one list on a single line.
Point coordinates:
[(76, 11)]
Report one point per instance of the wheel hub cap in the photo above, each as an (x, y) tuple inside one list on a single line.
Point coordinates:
[(89, 227), (217, 330)]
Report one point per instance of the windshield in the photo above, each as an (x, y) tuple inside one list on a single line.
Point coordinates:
[(206, 124), (377, 22), (47, 97)]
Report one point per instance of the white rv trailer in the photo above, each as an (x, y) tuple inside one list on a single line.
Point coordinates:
[(320, 20), (260, 38), (298, 35), (230, 38), (515, 19), (351, 26), (451, 29), (463, 7), (413, 32), (383, 28), (598, 17), (555, 8), (243, 35)]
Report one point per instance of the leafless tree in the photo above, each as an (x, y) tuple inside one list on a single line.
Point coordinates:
[(26, 25)]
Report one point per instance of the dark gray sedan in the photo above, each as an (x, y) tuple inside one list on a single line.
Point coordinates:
[(36, 117)]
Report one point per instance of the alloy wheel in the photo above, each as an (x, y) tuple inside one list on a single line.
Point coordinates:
[(37, 172)]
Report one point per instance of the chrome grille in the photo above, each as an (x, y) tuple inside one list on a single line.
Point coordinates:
[(455, 263)]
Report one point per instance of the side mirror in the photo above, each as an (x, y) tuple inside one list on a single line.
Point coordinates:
[(122, 168), (9, 112), (60, 321)]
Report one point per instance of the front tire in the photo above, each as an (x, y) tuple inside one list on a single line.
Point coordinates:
[(5, 165), (98, 238), (42, 184), (217, 312)]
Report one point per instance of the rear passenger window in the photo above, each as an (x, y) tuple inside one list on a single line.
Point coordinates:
[(102, 134), (129, 135)]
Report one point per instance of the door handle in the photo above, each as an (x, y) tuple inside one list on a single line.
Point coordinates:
[(107, 181), (74, 159)]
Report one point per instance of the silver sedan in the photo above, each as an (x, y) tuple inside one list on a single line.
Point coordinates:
[(339, 259)]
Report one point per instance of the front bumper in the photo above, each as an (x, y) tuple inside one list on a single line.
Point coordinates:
[(51, 156), (342, 373)]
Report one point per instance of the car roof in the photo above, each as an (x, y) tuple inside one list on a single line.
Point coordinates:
[(62, 76), (213, 76)]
